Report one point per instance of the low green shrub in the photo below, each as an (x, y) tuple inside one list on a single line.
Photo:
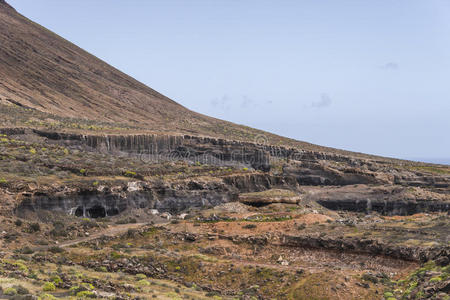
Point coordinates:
[(10, 291), (48, 287), (21, 266), (388, 294), (83, 287), (85, 294), (56, 279), (130, 174), (436, 279), (103, 269), (47, 297), (143, 282)]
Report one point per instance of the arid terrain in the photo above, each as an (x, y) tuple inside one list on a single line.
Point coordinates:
[(110, 190)]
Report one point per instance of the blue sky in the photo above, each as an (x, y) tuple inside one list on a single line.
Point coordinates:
[(367, 76)]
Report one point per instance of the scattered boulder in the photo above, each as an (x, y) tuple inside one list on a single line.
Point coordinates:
[(269, 197)]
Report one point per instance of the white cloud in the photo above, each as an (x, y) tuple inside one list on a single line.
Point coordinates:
[(390, 66), (324, 101)]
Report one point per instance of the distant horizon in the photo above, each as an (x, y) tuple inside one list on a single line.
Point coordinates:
[(438, 161), (326, 73)]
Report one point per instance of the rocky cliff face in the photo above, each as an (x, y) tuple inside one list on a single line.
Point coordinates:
[(309, 167), (368, 246), (386, 207), (185, 146), (277, 166), (173, 197), (384, 199), (166, 147)]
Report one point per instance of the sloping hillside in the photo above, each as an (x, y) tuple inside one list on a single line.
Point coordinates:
[(52, 78), (43, 71)]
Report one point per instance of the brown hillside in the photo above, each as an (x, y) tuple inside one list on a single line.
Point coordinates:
[(42, 71)]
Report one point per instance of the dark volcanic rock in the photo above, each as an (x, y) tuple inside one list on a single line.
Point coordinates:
[(388, 200), (366, 246), (165, 197)]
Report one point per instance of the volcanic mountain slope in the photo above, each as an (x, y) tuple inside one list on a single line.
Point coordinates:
[(43, 71), (39, 70)]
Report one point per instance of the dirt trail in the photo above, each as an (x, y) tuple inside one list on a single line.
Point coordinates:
[(111, 231)]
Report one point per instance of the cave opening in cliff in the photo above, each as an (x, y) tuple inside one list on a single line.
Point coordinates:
[(96, 211), (79, 212), (112, 212), (257, 204)]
